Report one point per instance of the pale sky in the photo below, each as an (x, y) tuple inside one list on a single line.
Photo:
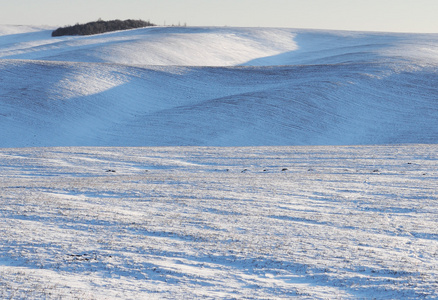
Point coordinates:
[(365, 15)]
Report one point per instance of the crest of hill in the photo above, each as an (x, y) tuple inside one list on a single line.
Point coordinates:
[(175, 46), (8, 30), (171, 86), (100, 26)]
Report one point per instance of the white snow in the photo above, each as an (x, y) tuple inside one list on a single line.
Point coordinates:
[(217, 87), (189, 46), (273, 220), (189, 222), (20, 29)]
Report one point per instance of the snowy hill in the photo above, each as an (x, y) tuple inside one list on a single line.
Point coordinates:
[(304, 222), (217, 86)]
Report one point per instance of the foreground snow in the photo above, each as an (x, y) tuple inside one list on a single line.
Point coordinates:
[(190, 222)]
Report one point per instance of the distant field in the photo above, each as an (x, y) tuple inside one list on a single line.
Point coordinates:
[(194, 86)]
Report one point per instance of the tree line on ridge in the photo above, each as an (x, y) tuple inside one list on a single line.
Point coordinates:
[(100, 26)]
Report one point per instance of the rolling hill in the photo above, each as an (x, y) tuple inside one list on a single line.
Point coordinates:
[(276, 221), (167, 86)]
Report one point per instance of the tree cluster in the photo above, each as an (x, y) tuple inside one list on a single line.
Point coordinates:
[(100, 27)]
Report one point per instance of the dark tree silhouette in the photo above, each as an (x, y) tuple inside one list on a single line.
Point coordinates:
[(100, 27)]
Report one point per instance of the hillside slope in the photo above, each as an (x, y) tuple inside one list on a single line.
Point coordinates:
[(217, 86)]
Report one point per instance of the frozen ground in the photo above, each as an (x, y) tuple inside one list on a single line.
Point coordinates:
[(312, 222), (217, 87), (187, 222)]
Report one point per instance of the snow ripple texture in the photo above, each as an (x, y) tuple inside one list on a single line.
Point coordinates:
[(217, 87), (276, 221), (321, 222)]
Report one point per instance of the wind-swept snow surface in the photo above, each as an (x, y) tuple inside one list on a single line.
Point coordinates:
[(312, 222), (217, 87), (234, 223)]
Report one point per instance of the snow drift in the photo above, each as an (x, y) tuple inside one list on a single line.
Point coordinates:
[(217, 86)]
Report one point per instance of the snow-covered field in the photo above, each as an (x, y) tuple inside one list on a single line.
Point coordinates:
[(217, 87), (189, 222), (272, 220)]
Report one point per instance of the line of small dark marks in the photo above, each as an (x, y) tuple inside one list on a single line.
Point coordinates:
[(83, 257), (221, 170), (267, 170), (110, 171)]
